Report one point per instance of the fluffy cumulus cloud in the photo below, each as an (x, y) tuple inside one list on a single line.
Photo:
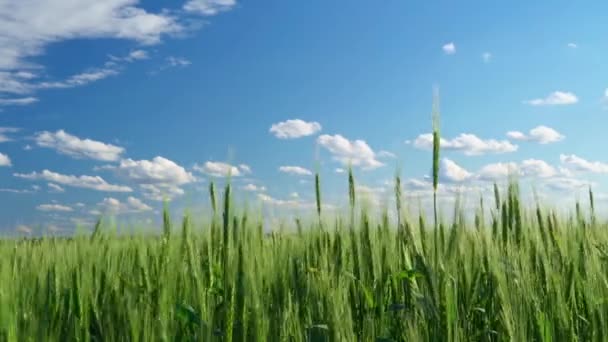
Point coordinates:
[(220, 169), (115, 206), (469, 144), (159, 178), (497, 171), (5, 160), (73, 146), (536, 168), (449, 48), (453, 172), (209, 7), (86, 182), (554, 99), (540, 134), (577, 163), (355, 152), (159, 170), (54, 207), (296, 128), (295, 170)]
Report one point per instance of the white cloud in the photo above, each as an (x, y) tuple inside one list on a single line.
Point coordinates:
[(449, 48), (453, 172), (159, 170), (536, 168), (291, 203), (579, 164), (294, 195), (55, 188), (532, 168), (218, 169), (29, 26), (386, 154), (18, 101), (86, 182), (115, 206), (3, 133), (23, 229), (496, 171), (572, 45), (161, 192), (356, 152), (5, 160), (540, 134), (79, 79), (469, 144), (340, 170), (487, 57), (254, 188), (554, 99), (54, 207), (177, 62), (296, 128), (137, 55), (73, 146), (566, 184), (245, 168), (18, 191), (295, 170), (209, 7)]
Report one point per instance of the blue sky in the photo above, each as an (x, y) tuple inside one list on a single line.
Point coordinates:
[(127, 102)]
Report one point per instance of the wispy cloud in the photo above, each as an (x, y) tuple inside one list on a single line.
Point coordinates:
[(254, 188), (54, 207), (22, 101), (5, 131), (355, 152), (55, 188), (572, 45), (469, 144), (79, 79), (556, 98), (295, 170), (178, 61), (295, 128), (86, 182), (540, 134), (209, 7), (73, 146)]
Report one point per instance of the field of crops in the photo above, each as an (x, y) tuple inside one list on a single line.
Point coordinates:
[(513, 275), (513, 272)]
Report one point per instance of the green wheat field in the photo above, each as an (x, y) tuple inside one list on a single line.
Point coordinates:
[(512, 271)]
